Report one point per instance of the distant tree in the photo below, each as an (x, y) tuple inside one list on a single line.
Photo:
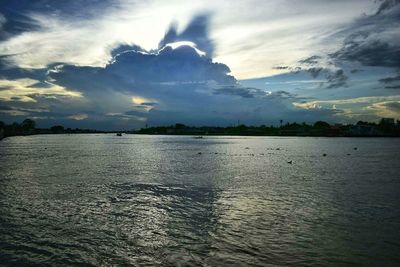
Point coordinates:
[(321, 125), (28, 125), (179, 126), (57, 129)]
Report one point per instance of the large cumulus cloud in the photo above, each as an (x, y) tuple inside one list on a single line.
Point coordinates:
[(175, 84)]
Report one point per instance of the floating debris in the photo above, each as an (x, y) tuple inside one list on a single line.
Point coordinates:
[(324, 155), (247, 147), (199, 153), (355, 148), (278, 148), (290, 161)]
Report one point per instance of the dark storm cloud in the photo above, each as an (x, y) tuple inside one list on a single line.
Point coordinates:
[(390, 79), (374, 53), (387, 4), (315, 71), (392, 87), (316, 67), (281, 67), (311, 60), (11, 72), (245, 92), (392, 82), (373, 40), (336, 79), (136, 71), (355, 71)]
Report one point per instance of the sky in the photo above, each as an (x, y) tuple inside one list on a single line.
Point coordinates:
[(125, 64)]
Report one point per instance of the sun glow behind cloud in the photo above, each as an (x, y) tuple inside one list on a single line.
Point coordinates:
[(186, 43)]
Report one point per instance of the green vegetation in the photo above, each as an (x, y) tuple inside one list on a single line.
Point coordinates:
[(28, 127), (386, 127)]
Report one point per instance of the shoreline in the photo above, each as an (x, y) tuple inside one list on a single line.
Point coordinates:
[(209, 135)]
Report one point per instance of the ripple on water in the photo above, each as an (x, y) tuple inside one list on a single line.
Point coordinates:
[(159, 203)]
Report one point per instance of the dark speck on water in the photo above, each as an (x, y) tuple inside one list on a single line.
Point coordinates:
[(103, 200)]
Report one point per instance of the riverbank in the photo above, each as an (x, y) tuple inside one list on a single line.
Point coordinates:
[(385, 128)]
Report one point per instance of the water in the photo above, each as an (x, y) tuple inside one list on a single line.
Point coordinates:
[(154, 200)]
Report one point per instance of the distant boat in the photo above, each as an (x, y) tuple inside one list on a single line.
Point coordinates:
[(119, 134), (198, 137)]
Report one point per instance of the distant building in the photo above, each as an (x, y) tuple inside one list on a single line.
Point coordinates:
[(364, 130), (388, 121)]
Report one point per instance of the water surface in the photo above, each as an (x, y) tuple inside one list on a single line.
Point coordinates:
[(176, 200)]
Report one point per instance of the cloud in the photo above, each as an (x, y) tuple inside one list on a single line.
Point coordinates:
[(26, 90), (3, 21), (370, 41), (392, 87), (146, 73), (392, 82), (370, 53), (386, 5), (333, 77), (373, 40), (370, 107), (197, 31), (336, 79), (245, 92), (78, 117), (323, 67), (389, 109), (356, 100), (311, 60), (390, 79)]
